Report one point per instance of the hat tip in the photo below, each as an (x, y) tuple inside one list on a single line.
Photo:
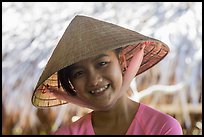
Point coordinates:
[(78, 15), (81, 16)]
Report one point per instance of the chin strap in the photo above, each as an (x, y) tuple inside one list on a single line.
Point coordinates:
[(61, 95), (132, 69)]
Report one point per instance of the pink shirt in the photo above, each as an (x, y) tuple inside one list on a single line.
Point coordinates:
[(147, 121)]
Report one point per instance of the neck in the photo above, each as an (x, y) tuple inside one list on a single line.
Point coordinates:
[(123, 111)]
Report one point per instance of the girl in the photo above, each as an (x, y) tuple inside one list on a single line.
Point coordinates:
[(92, 66)]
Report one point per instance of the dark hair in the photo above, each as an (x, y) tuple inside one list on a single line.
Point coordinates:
[(63, 77)]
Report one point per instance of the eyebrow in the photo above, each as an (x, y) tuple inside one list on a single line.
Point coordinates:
[(100, 56)]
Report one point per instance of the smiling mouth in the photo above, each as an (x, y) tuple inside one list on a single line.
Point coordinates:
[(100, 90)]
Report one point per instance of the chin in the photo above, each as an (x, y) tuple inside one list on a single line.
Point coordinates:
[(104, 108)]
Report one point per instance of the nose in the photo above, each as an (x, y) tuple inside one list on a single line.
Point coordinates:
[(94, 79)]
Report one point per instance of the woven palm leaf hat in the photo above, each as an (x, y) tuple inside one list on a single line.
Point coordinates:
[(86, 37)]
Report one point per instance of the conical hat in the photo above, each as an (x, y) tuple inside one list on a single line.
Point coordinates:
[(86, 37)]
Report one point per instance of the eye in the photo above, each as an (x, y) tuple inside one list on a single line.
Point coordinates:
[(77, 74), (103, 64)]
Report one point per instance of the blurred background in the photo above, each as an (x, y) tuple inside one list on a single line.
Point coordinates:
[(30, 32)]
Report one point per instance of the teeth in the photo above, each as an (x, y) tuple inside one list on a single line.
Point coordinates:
[(99, 90)]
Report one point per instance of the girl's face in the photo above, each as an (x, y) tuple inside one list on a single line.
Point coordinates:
[(97, 79)]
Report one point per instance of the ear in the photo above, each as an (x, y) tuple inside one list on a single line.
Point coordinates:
[(123, 62)]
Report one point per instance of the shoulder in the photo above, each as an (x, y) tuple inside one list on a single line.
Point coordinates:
[(158, 122), (81, 126)]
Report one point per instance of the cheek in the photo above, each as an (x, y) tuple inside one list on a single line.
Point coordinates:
[(116, 76), (79, 85)]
